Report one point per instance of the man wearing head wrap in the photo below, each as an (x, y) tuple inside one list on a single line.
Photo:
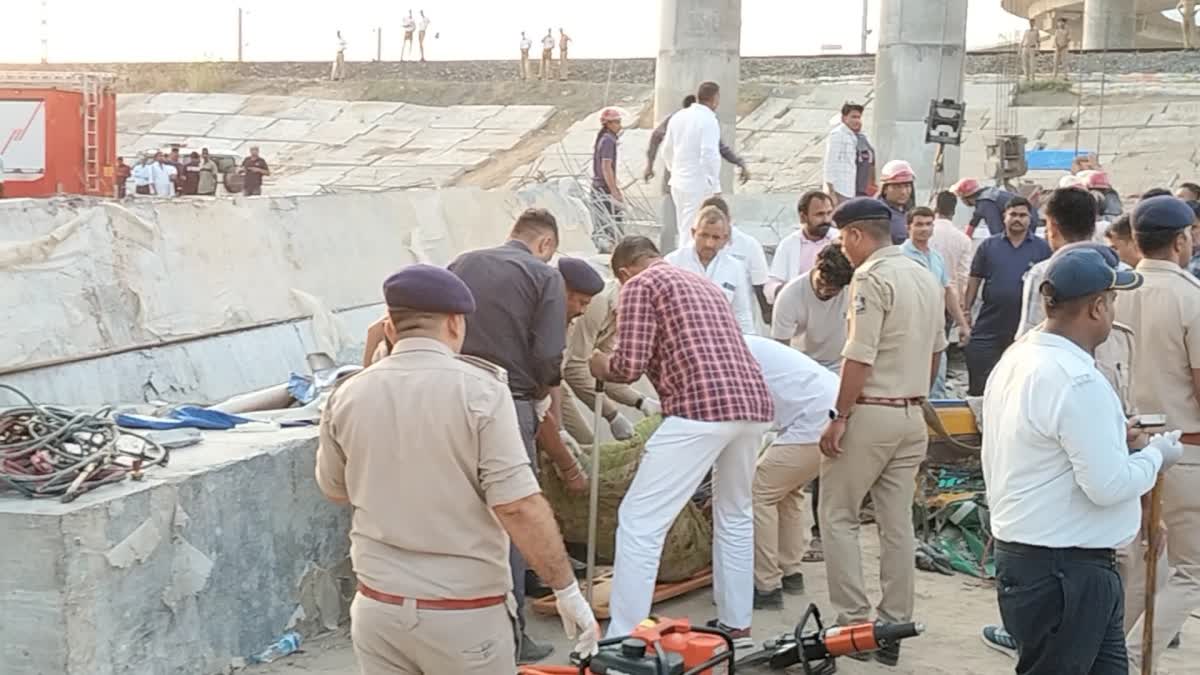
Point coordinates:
[(431, 432)]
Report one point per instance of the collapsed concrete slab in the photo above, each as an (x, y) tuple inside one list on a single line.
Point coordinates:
[(206, 560)]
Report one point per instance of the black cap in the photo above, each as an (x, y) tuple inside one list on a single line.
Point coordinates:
[(580, 276), (1162, 214), (1080, 272), (428, 288), (860, 208)]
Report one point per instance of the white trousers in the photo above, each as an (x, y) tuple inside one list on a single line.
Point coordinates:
[(677, 457), (687, 206)]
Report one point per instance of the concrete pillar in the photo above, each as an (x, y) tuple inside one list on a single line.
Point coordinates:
[(1109, 24), (700, 40), (922, 56)]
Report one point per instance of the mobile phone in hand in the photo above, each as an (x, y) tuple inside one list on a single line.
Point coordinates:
[(1150, 421)]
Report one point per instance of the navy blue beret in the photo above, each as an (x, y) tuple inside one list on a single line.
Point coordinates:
[(1162, 214), (860, 208), (580, 276), (428, 288), (1109, 255), (1080, 272)]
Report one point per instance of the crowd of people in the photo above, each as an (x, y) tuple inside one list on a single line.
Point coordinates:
[(547, 62), (484, 361), (170, 174)]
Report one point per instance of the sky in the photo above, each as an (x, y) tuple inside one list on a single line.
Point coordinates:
[(283, 30)]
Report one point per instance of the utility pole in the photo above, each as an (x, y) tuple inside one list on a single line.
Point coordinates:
[(239, 31), (379, 44), (865, 29), (45, 32)]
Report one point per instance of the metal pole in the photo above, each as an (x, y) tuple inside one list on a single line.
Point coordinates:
[(594, 490), (865, 30), (239, 32), (379, 44), (1151, 579)]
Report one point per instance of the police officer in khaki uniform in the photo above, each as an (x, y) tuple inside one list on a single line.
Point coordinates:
[(1165, 316), (596, 329), (876, 437), (424, 446)]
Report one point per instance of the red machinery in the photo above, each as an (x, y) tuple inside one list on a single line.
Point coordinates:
[(656, 647), (58, 133)]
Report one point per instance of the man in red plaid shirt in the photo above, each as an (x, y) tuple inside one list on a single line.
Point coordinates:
[(677, 328)]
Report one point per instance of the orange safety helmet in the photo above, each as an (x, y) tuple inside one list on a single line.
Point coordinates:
[(611, 114), (967, 187)]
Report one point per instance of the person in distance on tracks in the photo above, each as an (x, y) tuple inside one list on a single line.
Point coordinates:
[(433, 435)]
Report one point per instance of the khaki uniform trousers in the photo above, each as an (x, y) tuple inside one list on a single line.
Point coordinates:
[(1029, 63), (547, 59), (575, 421), (524, 64), (1181, 596), (562, 65), (779, 514), (403, 640), (1060, 61), (882, 450)]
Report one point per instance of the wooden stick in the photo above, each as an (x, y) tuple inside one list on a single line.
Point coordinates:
[(1152, 535)]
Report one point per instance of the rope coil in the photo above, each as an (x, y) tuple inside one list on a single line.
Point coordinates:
[(46, 451)]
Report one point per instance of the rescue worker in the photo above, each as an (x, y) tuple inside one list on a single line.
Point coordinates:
[(1031, 42), (564, 41), (896, 193), (797, 252), (422, 28), (566, 456), (675, 327), (692, 155), (547, 54), (526, 45), (1063, 486), (670, 232), (1165, 316), (708, 256), (607, 201), (409, 24), (338, 71), (989, 205), (748, 251), (803, 392), (519, 326), (596, 330), (876, 438), (1109, 201), (433, 591)]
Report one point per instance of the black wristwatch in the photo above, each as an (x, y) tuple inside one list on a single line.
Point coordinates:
[(638, 406), (834, 415)]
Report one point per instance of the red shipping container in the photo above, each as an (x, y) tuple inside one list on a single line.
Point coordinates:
[(58, 133)]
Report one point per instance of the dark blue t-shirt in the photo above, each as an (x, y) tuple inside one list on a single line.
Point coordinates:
[(1002, 266), (606, 148)]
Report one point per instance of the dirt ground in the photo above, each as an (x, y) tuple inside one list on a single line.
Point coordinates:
[(952, 608)]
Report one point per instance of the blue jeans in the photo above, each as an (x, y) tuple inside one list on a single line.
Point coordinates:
[(1064, 607), (528, 423)]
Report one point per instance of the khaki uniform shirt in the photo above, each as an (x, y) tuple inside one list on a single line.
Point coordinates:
[(424, 444), (1031, 39), (1062, 38), (1165, 315), (1114, 360), (895, 324), (596, 329)]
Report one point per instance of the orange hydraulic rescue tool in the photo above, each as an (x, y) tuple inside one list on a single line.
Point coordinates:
[(816, 650), (656, 647)]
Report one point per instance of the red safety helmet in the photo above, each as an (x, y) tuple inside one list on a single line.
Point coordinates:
[(1097, 180), (966, 187), (896, 172), (611, 114)]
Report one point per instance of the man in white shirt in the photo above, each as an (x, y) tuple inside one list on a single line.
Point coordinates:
[(709, 257), (1064, 490), (952, 243), (798, 251), (338, 71), (547, 54), (804, 393), (692, 155), (526, 45), (810, 312), (410, 25), (848, 157), (422, 26), (1070, 218), (162, 176), (748, 251), (143, 176)]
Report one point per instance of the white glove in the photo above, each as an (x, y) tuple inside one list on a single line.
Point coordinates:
[(540, 408), (651, 407), (572, 445), (622, 429), (1169, 446), (577, 619)]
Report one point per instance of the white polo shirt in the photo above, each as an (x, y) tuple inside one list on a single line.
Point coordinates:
[(749, 252), (728, 274), (1055, 461), (797, 254), (803, 390)]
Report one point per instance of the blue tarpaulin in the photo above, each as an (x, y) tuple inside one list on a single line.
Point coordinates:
[(1052, 160)]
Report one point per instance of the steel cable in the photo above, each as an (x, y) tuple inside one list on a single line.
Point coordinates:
[(46, 451)]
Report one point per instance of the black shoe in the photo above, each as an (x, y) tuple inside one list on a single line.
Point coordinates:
[(534, 588), (1175, 642), (768, 600), (889, 655), (793, 584), (579, 567), (532, 652)]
